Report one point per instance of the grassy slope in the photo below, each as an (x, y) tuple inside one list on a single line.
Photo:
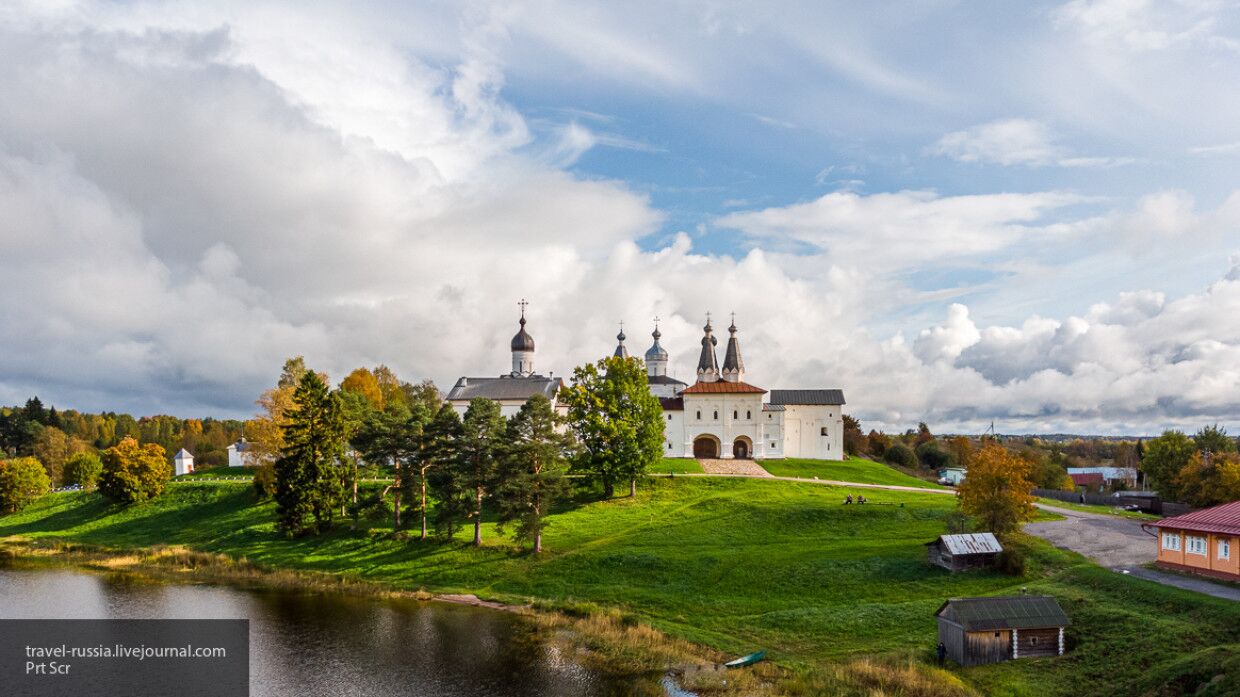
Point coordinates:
[(731, 563), (677, 465), (854, 469), (1102, 510)]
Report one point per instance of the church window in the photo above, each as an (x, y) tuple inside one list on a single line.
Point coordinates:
[(735, 415), (772, 444), (669, 417), (716, 416), (824, 430), (748, 415), (699, 415)]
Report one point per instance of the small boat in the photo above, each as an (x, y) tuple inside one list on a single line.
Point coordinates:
[(746, 660)]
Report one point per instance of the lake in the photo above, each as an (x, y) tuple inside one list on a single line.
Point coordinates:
[(312, 644)]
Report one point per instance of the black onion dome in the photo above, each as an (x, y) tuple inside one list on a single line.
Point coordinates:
[(522, 341)]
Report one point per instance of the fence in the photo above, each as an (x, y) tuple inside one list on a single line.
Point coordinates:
[(1148, 504)]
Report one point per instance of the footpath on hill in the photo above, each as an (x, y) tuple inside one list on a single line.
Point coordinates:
[(1119, 544)]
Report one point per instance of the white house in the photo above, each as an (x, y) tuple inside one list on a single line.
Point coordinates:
[(240, 454), (183, 462)]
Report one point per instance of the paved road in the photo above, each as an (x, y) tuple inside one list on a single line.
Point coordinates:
[(1120, 544)]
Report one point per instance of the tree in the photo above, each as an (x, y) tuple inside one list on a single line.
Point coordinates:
[(1209, 479), (533, 468), (53, 448), (854, 439), (900, 454), (961, 449), (83, 469), (478, 450), (133, 473), (1164, 457), (997, 493), (309, 482), (923, 434), (363, 382), (439, 452), (617, 420), (22, 480), (877, 443), (392, 437), (934, 457), (1214, 439)]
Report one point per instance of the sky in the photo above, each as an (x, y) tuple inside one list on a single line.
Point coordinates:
[(956, 212)]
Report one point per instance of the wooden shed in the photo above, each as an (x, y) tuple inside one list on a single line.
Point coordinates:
[(962, 552), (989, 630)]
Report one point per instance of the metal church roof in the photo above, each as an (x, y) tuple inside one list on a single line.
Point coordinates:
[(1005, 612), (807, 397), (504, 388)]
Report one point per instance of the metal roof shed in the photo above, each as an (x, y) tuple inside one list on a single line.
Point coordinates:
[(963, 552)]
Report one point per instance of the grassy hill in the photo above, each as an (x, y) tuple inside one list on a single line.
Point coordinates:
[(734, 564), (854, 469)]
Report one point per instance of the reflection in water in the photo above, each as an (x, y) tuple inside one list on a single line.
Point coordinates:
[(303, 644)]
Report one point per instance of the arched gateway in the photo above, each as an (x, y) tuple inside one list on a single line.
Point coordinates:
[(706, 448), (742, 449)]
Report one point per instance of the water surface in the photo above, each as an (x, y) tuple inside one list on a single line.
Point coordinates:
[(310, 644)]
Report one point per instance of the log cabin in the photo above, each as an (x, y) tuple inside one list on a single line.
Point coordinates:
[(963, 552), (989, 630)]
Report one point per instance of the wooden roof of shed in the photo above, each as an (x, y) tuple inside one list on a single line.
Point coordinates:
[(1004, 612)]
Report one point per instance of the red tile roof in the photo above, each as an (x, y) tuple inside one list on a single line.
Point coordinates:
[(1087, 479), (1224, 519), (723, 387)]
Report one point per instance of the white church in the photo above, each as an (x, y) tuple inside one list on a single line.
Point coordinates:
[(719, 416)]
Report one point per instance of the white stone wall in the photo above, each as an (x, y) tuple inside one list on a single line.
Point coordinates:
[(674, 435), (773, 434), (726, 417), (804, 428)]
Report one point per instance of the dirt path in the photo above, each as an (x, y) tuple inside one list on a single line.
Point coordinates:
[(747, 468), (1119, 544)]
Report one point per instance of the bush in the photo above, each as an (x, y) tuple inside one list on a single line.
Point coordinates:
[(22, 480), (82, 469), (900, 454), (932, 457), (134, 473), (265, 481), (1010, 561)]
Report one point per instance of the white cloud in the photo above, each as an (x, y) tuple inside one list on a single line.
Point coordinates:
[(1014, 142)]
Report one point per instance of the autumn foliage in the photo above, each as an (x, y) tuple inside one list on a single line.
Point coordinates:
[(997, 492)]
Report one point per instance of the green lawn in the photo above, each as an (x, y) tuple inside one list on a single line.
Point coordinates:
[(735, 564), (854, 469), (677, 465)]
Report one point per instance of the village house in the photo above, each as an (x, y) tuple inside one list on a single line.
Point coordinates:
[(989, 630), (240, 454), (1202, 542), (964, 552)]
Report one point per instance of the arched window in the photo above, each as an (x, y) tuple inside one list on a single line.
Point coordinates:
[(699, 415), (735, 415), (748, 415), (716, 416)]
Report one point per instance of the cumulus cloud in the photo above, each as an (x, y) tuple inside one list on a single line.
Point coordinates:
[(191, 197)]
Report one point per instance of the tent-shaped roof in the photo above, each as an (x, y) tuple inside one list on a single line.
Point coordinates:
[(183, 454), (1005, 612)]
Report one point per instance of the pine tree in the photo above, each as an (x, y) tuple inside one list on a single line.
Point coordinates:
[(478, 450), (438, 454), (309, 482), (533, 468)]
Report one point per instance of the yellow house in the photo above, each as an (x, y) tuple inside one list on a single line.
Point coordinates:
[(1202, 542)]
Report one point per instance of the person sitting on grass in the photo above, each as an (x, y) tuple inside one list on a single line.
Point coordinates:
[(848, 499)]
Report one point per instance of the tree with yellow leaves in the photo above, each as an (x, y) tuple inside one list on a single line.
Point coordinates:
[(997, 492)]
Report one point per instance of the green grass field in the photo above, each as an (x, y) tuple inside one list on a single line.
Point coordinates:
[(854, 469), (213, 472), (735, 564), (677, 465), (1103, 510)]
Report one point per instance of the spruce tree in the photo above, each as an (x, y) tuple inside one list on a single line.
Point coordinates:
[(478, 450), (437, 456), (309, 481)]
